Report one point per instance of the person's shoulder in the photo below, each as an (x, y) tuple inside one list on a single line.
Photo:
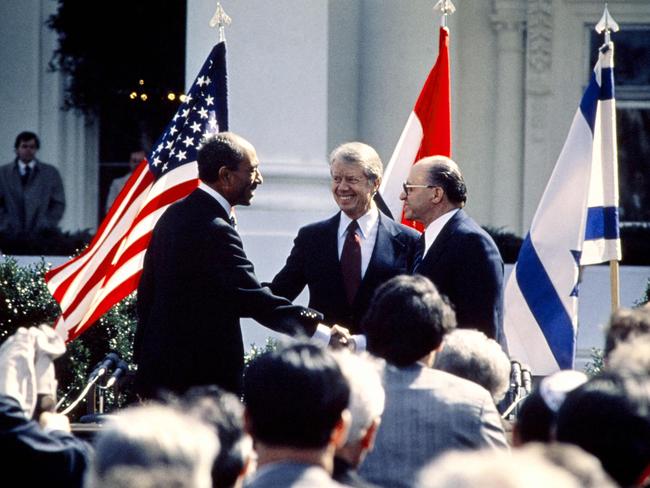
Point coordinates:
[(47, 166), (319, 226), (400, 229), (459, 389)]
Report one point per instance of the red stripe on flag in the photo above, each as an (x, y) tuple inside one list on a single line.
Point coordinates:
[(119, 293)]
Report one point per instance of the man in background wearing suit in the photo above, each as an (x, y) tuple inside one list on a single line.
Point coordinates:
[(427, 411), (459, 257), (31, 192), (197, 281), (296, 411), (341, 286)]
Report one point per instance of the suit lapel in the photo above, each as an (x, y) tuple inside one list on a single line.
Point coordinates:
[(440, 244), (382, 254)]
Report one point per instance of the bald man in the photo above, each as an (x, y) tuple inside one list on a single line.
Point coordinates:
[(459, 257)]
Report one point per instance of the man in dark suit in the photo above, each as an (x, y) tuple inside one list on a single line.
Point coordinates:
[(31, 192), (197, 281), (296, 411), (459, 257), (318, 258)]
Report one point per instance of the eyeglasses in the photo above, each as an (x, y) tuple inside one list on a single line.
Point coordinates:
[(407, 187)]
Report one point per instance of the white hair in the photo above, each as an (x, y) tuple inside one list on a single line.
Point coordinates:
[(493, 469), (367, 396), (154, 438), (470, 354)]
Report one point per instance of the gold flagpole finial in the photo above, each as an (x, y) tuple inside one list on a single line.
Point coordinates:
[(446, 7), (607, 24), (220, 19)]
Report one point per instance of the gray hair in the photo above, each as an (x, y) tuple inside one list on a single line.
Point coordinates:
[(154, 438), (494, 469), (470, 354), (361, 154), (367, 396)]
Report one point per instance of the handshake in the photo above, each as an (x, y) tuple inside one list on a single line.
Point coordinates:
[(340, 338)]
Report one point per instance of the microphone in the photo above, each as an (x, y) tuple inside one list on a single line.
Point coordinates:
[(103, 366), (120, 370), (527, 380), (515, 374)]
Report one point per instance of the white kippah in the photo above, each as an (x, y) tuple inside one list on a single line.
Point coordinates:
[(554, 388)]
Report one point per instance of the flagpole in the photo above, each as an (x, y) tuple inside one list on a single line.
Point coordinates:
[(605, 26), (221, 20), (446, 7)]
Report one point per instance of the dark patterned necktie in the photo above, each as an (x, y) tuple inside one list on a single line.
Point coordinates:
[(419, 252), (26, 172), (233, 221), (351, 261)]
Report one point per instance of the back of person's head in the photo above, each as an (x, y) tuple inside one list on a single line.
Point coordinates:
[(367, 396), (624, 324), (219, 150), (538, 411), (584, 467), (26, 136), (157, 438), (609, 416), (406, 320), (493, 469), (631, 355), (472, 355), (295, 396), (225, 413)]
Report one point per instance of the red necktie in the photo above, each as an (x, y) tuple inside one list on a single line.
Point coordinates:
[(351, 261)]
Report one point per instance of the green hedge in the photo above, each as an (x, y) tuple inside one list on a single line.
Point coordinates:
[(635, 239)]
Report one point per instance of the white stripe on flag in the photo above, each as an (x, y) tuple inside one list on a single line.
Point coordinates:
[(541, 297)]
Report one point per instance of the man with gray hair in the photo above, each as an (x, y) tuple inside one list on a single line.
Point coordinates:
[(343, 259), (156, 445), (472, 355), (459, 257), (367, 399)]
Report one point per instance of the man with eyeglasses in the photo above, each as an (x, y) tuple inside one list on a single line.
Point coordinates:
[(343, 259), (459, 257)]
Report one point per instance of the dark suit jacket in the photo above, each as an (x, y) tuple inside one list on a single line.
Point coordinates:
[(464, 264), (314, 262), (196, 283), (36, 457), (39, 205)]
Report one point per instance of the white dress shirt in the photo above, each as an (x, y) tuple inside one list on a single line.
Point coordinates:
[(431, 233)]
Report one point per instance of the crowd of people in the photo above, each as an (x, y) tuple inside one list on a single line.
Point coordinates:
[(394, 376)]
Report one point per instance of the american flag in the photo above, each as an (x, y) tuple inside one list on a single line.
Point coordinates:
[(87, 286)]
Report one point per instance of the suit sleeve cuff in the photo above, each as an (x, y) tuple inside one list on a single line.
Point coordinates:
[(360, 342), (322, 335)]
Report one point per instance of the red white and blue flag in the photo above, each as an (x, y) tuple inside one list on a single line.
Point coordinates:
[(109, 270), (427, 132)]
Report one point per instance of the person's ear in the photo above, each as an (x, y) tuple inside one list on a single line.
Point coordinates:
[(340, 433), (368, 439)]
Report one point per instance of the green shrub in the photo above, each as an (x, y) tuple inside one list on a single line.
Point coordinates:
[(25, 301)]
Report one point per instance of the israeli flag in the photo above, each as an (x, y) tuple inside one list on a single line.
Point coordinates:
[(576, 223)]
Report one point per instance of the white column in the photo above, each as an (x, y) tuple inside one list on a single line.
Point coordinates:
[(508, 22)]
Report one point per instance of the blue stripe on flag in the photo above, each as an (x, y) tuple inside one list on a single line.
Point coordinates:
[(545, 304), (607, 84), (602, 223), (589, 102)]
